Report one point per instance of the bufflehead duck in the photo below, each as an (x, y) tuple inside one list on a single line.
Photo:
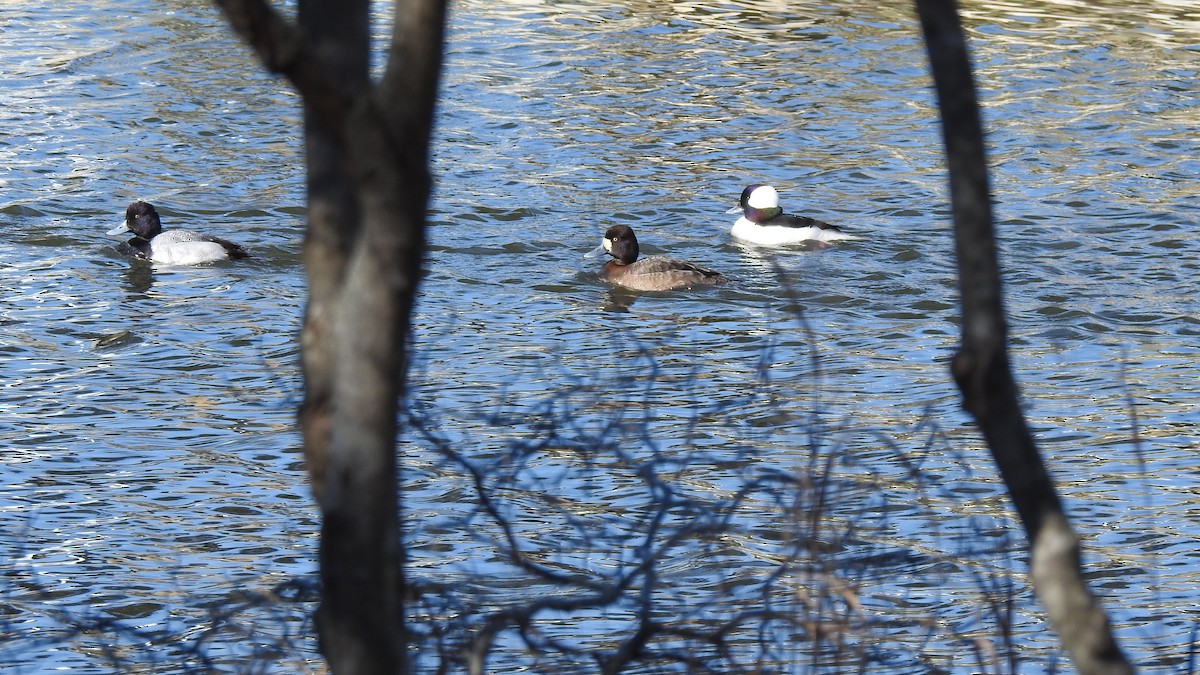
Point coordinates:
[(173, 247), (765, 224), (655, 273)]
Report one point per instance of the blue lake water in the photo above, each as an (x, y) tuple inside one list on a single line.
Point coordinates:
[(150, 465)]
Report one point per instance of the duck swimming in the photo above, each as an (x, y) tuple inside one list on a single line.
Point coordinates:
[(764, 223), (172, 247), (655, 273)]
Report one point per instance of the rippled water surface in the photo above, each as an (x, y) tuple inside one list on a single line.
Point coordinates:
[(151, 472)]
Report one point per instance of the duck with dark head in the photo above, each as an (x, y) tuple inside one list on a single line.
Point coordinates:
[(170, 247), (655, 273)]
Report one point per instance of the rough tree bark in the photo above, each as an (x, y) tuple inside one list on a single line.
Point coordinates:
[(368, 186), (981, 367)]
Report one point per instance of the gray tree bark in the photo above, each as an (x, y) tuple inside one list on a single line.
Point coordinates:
[(981, 367), (367, 148)]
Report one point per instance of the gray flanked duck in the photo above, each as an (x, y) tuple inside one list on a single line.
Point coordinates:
[(170, 247), (655, 273), (764, 223)]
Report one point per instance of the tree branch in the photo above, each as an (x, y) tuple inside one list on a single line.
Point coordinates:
[(981, 367), (283, 50)]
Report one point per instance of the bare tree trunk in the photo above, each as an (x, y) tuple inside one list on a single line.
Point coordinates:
[(368, 187), (981, 367), (340, 33)]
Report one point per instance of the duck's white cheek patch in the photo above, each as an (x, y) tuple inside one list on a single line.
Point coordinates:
[(607, 244), (764, 197)]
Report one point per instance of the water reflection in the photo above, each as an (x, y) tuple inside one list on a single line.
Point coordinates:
[(138, 279), (620, 299)]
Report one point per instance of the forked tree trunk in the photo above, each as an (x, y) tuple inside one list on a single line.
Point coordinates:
[(981, 366), (367, 148)]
